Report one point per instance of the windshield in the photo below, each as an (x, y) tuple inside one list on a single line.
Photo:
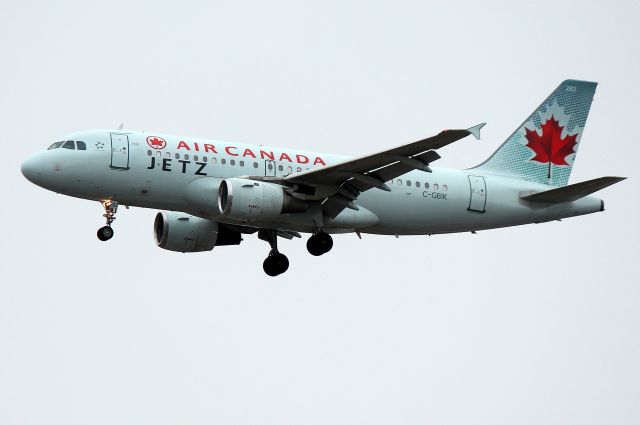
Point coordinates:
[(55, 145)]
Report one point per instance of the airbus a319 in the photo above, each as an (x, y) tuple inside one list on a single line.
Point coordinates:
[(212, 193)]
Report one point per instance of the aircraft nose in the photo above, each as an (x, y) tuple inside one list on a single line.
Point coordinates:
[(32, 169)]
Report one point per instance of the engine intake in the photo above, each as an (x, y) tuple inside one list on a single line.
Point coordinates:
[(245, 199)]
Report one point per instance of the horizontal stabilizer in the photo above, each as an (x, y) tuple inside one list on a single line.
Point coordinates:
[(573, 192)]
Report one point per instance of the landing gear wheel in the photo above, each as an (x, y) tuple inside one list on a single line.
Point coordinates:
[(110, 208), (319, 244), (105, 233), (275, 264)]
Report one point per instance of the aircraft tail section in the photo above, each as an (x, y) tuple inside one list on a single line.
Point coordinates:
[(544, 147)]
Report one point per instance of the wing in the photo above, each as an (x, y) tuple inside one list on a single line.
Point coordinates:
[(340, 184)]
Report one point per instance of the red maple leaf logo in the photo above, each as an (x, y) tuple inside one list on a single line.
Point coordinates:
[(550, 147), (156, 142)]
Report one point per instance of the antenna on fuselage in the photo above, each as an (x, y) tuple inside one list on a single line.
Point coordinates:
[(121, 126)]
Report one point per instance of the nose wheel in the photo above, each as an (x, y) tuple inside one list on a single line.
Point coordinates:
[(276, 263), (319, 243), (110, 208), (105, 233)]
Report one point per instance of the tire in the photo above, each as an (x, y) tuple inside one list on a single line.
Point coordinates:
[(319, 244), (275, 264), (282, 263), (105, 233)]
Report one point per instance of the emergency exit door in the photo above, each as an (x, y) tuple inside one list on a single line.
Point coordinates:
[(478, 198), (119, 151)]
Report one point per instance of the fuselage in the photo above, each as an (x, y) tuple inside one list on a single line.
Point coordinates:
[(182, 174)]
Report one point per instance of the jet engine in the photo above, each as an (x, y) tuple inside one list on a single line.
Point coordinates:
[(186, 233), (245, 199)]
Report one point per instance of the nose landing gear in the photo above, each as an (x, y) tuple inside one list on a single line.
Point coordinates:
[(276, 263), (319, 243), (110, 208)]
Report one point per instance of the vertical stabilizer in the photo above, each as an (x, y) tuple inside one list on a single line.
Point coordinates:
[(543, 148)]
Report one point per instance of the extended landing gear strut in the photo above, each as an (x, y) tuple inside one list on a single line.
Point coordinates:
[(276, 263), (110, 208), (319, 243)]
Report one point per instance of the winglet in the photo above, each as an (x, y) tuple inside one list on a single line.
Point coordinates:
[(475, 130)]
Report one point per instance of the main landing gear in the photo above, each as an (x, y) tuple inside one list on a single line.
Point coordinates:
[(110, 208), (319, 243), (276, 263)]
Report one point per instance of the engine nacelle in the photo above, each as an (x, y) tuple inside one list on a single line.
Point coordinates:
[(245, 199), (185, 233)]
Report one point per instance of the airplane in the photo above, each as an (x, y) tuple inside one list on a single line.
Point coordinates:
[(211, 193)]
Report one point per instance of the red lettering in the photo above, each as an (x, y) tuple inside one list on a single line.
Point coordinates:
[(248, 152), (318, 160), (284, 156), (183, 145), (267, 154), (210, 148), (228, 150), (302, 159), (197, 148)]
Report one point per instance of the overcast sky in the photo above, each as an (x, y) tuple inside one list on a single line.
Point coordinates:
[(530, 325)]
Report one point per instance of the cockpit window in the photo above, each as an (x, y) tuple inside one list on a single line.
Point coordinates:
[(56, 145), (81, 146), (69, 145)]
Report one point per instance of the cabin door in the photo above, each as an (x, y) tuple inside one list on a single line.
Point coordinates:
[(119, 151), (478, 197)]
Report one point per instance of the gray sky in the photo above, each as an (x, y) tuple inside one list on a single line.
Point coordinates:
[(530, 325)]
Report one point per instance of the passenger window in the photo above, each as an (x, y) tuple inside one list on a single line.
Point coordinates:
[(426, 185), (69, 145), (435, 186), (232, 162), (409, 183), (417, 184), (186, 156), (399, 182), (280, 168), (255, 165), (177, 156), (56, 145), (167, 155), (195, 157), (81, 146), (445, 187), (149, 152), (270, 166), (204, 159), (298, 169), (241, 163), (214, 160), (223, 161), (289, 169)]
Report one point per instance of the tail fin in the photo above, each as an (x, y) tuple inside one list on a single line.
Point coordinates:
[(544, 147)]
